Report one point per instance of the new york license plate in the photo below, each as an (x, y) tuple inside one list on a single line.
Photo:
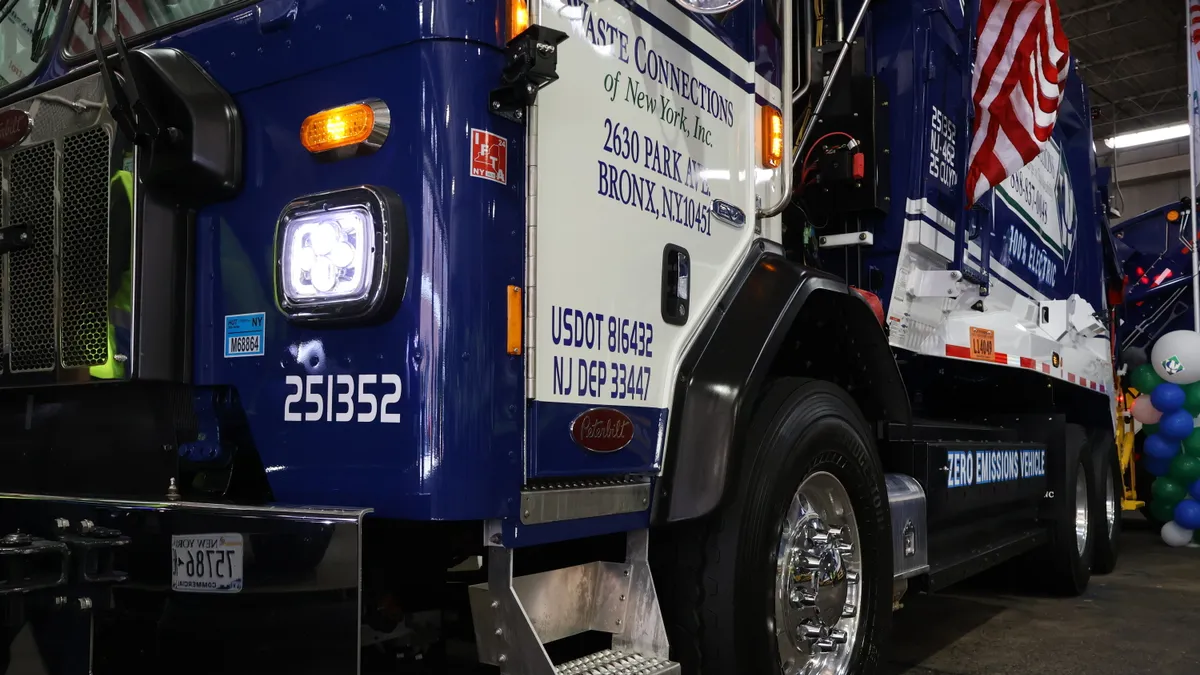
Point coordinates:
[(207, 563)]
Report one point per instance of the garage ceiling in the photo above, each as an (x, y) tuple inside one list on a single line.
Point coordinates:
[(1133, 56)]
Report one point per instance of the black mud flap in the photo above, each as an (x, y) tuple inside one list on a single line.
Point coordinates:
[(118, 587)]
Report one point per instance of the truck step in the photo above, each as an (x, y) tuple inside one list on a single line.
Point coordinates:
[(516, 617), (610, 662)]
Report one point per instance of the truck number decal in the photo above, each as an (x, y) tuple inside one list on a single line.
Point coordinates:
[(941, 148), (595, 378), (342, 398)]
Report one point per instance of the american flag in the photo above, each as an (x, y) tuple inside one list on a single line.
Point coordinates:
[(1194, 77), (1021, 65), (132, 19)]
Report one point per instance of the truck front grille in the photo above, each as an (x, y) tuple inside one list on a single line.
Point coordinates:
[(30, 294), (84, 274), (57, 290)]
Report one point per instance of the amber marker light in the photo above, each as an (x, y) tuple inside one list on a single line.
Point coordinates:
[(771, 140), (357, 128), (516, 315), (518, 17)]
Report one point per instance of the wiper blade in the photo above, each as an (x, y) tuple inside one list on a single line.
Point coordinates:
[(125, 103), (7, 8), (41, 39)]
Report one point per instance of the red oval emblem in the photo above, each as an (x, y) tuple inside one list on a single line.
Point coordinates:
[(14, 127), (602, 430)]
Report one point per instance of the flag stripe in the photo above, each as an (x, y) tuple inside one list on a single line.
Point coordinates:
[(1021, 64)]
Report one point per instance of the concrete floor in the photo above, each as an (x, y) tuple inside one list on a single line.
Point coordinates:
[(1142, 618)]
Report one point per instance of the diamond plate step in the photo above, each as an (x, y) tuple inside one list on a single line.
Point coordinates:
[(609, 662)]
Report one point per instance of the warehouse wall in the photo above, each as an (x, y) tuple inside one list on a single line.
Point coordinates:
[(1148, 176)]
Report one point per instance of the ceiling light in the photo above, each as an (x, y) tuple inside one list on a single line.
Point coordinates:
[(1148, 136)]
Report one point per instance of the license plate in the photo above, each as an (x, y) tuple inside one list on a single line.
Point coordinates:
[(206, 563), (983, 344)]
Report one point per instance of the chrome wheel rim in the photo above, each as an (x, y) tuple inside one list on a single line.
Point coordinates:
[(818, 596), (1110, 506), (1081, 511)]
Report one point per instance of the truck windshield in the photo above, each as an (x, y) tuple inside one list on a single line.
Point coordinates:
[(137, 17), (25, 32)]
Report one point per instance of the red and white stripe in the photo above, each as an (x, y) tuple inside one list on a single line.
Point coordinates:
[(1000, 358), (1021, 66), (1194, 19)]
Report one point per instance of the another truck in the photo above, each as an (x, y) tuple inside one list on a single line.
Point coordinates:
[(546, 336)]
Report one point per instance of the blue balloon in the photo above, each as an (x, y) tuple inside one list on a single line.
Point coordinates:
[(1194, 490), (1161, 447), (1176, 426), (1187, 514), (1168, 398), (1156, 466)]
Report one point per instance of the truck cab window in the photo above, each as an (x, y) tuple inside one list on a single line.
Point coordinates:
[(25, 30), (137, 17)]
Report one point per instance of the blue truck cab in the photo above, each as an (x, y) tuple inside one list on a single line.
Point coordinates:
[(538, 336)]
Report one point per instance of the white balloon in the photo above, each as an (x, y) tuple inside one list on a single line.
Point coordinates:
[(1176, 357), (1175, 535)]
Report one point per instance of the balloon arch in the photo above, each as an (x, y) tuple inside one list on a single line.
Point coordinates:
[(1168, 406)]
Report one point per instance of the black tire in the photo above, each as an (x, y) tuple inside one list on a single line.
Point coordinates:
[(1109, 495), (1067, 569), (717, 576)]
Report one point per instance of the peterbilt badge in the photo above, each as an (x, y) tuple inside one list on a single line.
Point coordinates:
[(602, 430), (15, 125)]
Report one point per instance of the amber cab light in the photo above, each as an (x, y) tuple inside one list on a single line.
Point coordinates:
[(358, 125), (771, 138)]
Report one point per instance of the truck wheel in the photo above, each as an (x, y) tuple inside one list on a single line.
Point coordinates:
[(793, 573), (1067, 558), (1106, 514)]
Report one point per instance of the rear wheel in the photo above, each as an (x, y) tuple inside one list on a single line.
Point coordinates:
[(793, 573), (1106, 512), (1067, 558)]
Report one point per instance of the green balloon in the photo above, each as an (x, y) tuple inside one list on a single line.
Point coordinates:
[(1191, 401), (1144, 379), (1162, 511), (1168, 491), (1149, 429), (1185, 469), (1191, 444)]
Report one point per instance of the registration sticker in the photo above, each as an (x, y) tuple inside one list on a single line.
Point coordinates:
[(983, 344), (489, 156), (245, 335), (207, 563)]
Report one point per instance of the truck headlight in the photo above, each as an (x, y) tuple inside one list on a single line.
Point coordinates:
[(341, 255)]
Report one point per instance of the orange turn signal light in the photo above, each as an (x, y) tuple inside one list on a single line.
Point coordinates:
[(771, 140), (340, 127), (1172, 216)]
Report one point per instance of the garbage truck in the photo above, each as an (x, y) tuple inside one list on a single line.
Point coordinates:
[(529, 336), (1154, 250)]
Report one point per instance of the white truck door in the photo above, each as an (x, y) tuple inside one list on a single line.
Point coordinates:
[(649, 128)]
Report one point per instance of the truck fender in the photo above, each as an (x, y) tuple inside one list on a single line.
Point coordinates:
[(752, 334)]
